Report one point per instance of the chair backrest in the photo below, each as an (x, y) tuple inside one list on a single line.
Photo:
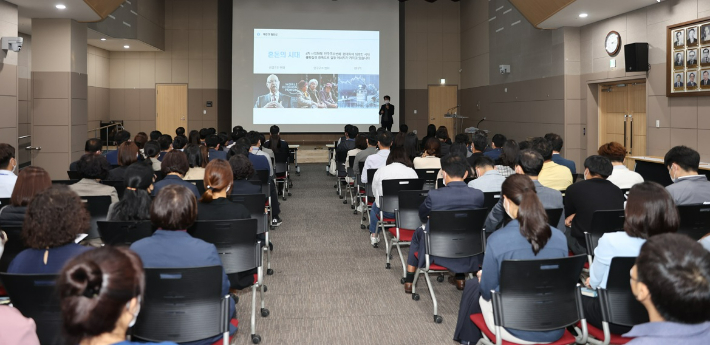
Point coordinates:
[(553, 216), (4, 202), (235, 241), (118, 184), (361, 166), (603, 222), (262, 175), (14, 246), (370, 177), (74, 175), (456, 234), (280, 167), (407, 213), (351, 161), (181, 305), (390, 192), (200, 184), (694, 220), (124, 233), (526, 285), (255, 204), (35, 296), (619, 306), (490, 199), (98, 209), (429, 177)]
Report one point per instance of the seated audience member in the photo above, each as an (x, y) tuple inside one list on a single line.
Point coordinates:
[(403, 128), (367, 152), (430, 158), (166, 145), (140, 139), (442, 134), (120, 138), (173, 211), (174, 167), (242, 146), (398, 167), (379, 159), (154, 135), (152, 151), (508, 157), (477, 146), (411, 144), (214, 205), (100, 296), (179, 143), (671, 279), (54, 218), (196, 161), (255, 141), (8, 165), (92, 145), (496, 147), (688, 187), (398, 139), (349, 142), (584, 198), (180, 132), (127, 155), (31, 181), (135, 204), (93, 168), (16, 329), (194, 137), (556, 142), (360, 144), (621, 176), (455, 196), (526, 237), (242, 170), (430, 133), (489, 179), (224, 139), (345, 135), (212, 142), (649, 211), (552, 175), (529, 164), (277, 145)]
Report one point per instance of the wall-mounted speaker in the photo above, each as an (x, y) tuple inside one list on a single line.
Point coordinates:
[(636, 55)]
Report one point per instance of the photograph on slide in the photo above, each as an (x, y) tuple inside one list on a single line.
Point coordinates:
[(359, 91), (298, 91)]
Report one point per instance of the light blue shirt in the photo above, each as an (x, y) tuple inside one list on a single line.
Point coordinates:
[(611, 245), (666, 333), (7, 183), (491, 181), (376, 161)]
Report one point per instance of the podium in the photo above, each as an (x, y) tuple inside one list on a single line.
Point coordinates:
[(458, 121)]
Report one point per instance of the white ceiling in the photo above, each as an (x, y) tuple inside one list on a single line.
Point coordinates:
[(597, 10)]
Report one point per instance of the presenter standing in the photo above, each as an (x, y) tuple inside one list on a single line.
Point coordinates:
[(387, 111)]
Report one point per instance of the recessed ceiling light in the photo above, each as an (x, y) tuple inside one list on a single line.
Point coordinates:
[(60, 6), (126, 46), (103, 39), (583, 15)]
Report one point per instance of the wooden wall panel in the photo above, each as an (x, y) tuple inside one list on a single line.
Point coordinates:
[(537, 11)]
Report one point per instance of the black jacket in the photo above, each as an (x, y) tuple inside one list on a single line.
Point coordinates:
[(12, 216), (387, 113)]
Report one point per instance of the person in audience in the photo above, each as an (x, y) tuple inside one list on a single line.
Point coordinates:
[(179, 143), (173, 211), (180, 132), (508, 157), (268, 151), (442, 134), (93, 168), (526, 237), (671, 279), (140, 139), (165, 141), (120, 138), (255, 141), (277, 145), (212, 142), (650, 211), (345, 135), (100, 296), (584, 198), (55, 216), (8, 165), (378, 160), (152, 151), (31, 181), (530, 164), (92, 145), (243, 147), (135, 203), (489, 179), (360, 144), (477, 146), (398, 139), (214, 205), (242, 170), (398, 167), (556, 142), (127, 155), (411, 142), (223, 141), (154, 135), (454, 196), (174, 167), (194, 137), (367, 152), (688, 187), (349, 142), (430, 133), (403, 128), (15, 328), (552, 175), (430, 158), (496, 147), (621, 176), (196, 161)]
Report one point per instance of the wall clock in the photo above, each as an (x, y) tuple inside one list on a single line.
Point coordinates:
[(612, 43)]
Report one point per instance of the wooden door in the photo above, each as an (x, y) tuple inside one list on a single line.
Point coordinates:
[(622, 115), (441, 99), (170, 107)]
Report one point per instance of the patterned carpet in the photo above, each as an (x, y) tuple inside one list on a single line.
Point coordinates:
[(331, 287)]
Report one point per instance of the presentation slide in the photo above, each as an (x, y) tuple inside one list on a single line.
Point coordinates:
[(316, 76)]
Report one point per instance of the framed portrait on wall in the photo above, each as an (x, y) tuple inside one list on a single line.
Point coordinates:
[(679, 39), (705, 79), (692, 80), (692, 37), (705, 56), (692, 60), (679, 59), (688, 58), (705, 34)]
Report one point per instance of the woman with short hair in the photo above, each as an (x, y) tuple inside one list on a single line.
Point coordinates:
[(508, 157), (30, 181), (173, 167), (127, 155), (242, 171)]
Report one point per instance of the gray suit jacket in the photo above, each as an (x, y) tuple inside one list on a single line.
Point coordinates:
[(690, 190), (361, 157), (549, 198), (89, 187)]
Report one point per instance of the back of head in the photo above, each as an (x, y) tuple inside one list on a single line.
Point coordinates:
[(53, 218), (530, 161), (459, 149), (614, 151), (127, 153), (151, 148), (360, 142), (274, 130), (95, 288), (204, 133), (275, 138), (509, 153), (480, 141), (174, 208), (242, 169), (179, 142), (542, 146), (135, 203), (410, 144), (122, 136), (30, 181), (212, 141), (484, 163), (154, 135), (599, 165), (93, 145), (676, 271), (253, 137), (140, 139), (524, 145), (174, 162), (93, 166), (371, 139), (218, 178), (499, 140), (194, 137), (240, 146), (462, 138), (650, 211), (398, 140), (442, 133), (212, 130), (685, 157), (398, 155), (180, 131), (372, 129), (7, 153), (194, 156), (403, 128), (520, 190), (352, 132), (385, 139), (431, 130), (223, 138), (139, 176), (455, 166), (165, 141), (555, 141), (432, 147)]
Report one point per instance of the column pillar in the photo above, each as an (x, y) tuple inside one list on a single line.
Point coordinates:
[(8, 77), (59, 89)]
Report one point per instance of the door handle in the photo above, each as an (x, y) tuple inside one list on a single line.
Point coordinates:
[(30, 148), (625, 117), (631, 122)]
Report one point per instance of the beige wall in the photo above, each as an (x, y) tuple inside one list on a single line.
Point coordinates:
[(98, 87)]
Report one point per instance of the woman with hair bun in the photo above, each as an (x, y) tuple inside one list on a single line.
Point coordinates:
[(214, 204), (100, 295)]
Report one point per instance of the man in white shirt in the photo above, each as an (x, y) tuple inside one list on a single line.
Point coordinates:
[(8, 165), (378, 160), (621, 176), (489, 179)]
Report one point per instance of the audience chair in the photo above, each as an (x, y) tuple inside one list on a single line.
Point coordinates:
[(389, 202), (369, 198), (34, 295), (341, 173), (407, 221), (553, 217), (490, 199), (200, 184), (14, 246), (361, 192), (354, 184), (450, 234), (119, 185), (331, 156), (4, 202), (618, 304), (74, 175), (429, 176), (282, 178), (124, 233), (694, 220), (525, 286), (602, 222), (98, 209), (183, 305), (293, 156), (261, 177), (255, 204)]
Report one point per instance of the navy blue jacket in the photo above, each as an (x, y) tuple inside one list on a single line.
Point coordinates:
[(217, 154), (173, 179), (111, 157), (566, 162), (259, 162)]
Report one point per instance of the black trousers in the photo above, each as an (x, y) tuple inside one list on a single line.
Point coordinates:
[(593, 314), (387, 125), (465, 329)]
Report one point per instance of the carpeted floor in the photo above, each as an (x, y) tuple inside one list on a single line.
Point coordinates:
[(331, 287)]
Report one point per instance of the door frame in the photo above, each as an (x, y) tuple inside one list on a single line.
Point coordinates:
[(595, 89), (187, 103)]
